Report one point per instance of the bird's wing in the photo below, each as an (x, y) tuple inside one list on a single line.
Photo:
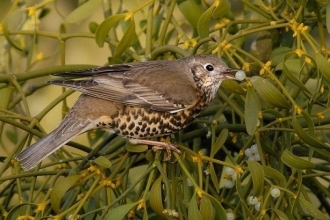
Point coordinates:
[(159, 87)]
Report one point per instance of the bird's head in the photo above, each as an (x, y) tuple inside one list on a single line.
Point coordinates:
[(209, 71)]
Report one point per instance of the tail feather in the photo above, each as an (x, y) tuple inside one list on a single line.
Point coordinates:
[(32, 155)]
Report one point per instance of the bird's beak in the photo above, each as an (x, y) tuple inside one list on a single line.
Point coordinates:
[(230, 74)]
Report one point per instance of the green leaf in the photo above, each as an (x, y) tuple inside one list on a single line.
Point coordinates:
[(83, 11), (206, 208), (294, 65), (89, 207), (310, 123), (274, 112), (247, 211), (104, 28), (311, 209), (203, 25), (233, 87), (277, 55), (136, 148), (269, 92), (6, 32), (307, 137), (12, 136), (251, 111), (280, 214), (62, 185), (223, 7), (103, 162), (220, 212), (121, 211), (219, 142), (293, 161), (193, 212), (44, 13), (93, 26), (20, 210), (268, 149), (135, 41), (214, 149), (126, 40), (323, 65), (214, 176), (293, 78), (258, 176), (274, 174), (191, 11), (156, 198)]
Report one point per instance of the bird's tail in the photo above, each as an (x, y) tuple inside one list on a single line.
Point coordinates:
[(66, 131)]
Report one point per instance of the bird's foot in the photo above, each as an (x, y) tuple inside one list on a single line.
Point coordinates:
[(157, 145)]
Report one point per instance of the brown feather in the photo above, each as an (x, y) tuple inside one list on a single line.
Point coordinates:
[(131, 86)]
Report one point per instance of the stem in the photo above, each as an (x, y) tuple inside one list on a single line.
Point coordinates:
[(150, 21), (256, 9), (87, 196), (143, 5), (19, 89), (169, 13), (129, 189)]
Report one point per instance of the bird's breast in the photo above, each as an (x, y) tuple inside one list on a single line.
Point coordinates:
[(140, 122)]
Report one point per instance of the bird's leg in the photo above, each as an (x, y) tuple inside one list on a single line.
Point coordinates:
[(157, 145)]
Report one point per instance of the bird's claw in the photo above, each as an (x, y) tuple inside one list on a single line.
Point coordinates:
[(157, 145)]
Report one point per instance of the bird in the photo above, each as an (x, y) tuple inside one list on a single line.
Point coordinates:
[(138, 100)]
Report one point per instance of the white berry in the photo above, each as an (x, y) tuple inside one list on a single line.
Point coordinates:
[(229, 184), (254, 149), (229, 171), (256, 157), (253, 200), (248, 152), (230, 216), (240, 75), (257, 206), (275, 192)]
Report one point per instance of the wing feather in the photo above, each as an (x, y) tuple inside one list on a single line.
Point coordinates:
[(140, 84)]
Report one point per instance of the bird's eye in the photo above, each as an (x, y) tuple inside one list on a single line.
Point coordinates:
[(209, 67)]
